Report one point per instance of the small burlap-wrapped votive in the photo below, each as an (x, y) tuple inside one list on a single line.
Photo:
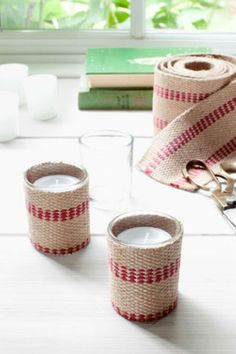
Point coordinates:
[(144, 279), (58, 220)]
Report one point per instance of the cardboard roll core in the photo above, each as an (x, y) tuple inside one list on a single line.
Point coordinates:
[(198, 65)]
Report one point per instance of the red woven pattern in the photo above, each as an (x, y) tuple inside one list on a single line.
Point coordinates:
[(145, 318), (160, 123), (216, 157), (222, 152), (58, 215), (191, 133), (61, 251), (176, 95), (144, 276)]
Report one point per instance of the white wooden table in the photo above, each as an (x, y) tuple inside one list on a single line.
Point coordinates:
[(61, 304)]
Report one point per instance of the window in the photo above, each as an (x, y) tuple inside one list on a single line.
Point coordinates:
[(189, 15), (62, 30), (64, 14), (192, 15)]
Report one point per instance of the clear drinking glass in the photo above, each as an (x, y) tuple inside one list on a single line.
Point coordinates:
[(108, 155)]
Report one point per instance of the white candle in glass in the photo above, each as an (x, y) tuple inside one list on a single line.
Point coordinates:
[(56, 183), (41, 96), (12, 77), (9, 111), (143, 236)]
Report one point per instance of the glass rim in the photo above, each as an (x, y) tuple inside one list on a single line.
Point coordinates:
[(16, 65), (178, 232), (83, 180), (106, 133), (34, 77)]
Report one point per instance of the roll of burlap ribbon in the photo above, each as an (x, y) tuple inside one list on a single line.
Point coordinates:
[(194, 102), (144, 280), (58, 221)]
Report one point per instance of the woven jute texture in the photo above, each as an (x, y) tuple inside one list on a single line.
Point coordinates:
[(144, 281), (58, 221), (194, 101)]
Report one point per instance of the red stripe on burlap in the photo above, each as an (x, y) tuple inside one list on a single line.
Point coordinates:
[(145, 318), (176, 95), (222, 152), (144, 276), (216, 157), (58, 215), (61, 251), (160, 123), (190, 133)]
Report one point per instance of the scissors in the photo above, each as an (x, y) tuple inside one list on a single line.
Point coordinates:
[(222, 191)]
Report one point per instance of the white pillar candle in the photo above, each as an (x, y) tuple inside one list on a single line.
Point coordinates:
[(143, 236), (12, 77), (56, 183), (41, 96), (9, 111)]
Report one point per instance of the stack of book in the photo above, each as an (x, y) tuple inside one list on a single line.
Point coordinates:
[(122, 78)]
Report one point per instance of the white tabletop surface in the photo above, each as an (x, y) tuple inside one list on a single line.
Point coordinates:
[(61, 304)]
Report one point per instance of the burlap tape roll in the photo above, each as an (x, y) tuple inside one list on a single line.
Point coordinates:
[(194, 101), (144, 281), (58, 221)]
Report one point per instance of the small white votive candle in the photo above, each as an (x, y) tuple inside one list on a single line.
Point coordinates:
[(41, 96), (9, 112), (12, 77), (143, 236), (56, 183)]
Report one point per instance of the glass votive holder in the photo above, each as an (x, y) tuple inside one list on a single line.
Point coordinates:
[(9, 111), (107, 155), (12, 77), (41, 96), (144, 272), (57, 205)]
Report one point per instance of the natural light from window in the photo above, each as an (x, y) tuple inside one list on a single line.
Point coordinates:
[(186, 15)]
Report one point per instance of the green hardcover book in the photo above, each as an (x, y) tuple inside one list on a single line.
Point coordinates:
[(127, 67), (116, 99)]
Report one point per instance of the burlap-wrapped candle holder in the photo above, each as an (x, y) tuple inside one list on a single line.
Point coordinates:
[(144, 280), (58, 221)]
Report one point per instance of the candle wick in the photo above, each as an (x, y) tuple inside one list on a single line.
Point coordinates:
[(146, 238)]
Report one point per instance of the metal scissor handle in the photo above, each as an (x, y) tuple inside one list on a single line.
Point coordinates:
[(199, 164), (227, 168), (224, 198)]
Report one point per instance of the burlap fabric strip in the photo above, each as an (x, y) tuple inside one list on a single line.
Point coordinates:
[(58, 221), (144, 281), (194, 101)]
